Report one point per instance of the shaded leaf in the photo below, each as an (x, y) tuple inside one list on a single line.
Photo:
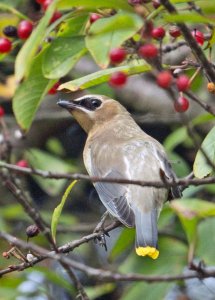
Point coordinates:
[(101, 77), (125, 239), (57, 211), (97, 291), (206, 240), (179, 164), (177, 137), (42, 160), (201, 168), (111, 33)]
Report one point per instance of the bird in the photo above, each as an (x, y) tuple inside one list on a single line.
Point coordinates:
[(117, 148)]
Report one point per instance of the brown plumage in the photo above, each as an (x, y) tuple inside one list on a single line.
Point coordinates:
[(116, 147)]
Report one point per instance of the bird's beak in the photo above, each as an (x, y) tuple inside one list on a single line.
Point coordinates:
[(67, 104)]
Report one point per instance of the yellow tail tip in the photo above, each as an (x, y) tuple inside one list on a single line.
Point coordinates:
[(150, 251)]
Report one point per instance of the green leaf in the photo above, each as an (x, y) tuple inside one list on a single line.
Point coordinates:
[(42, 160), (202, 119), (73, 26), (190, 212), (201, 168), (62, 55), (206, 241), (96, 292), (25, 56), (101, 77), (119, 4), (29, 94), (108, 33), (177, 137), (54, 146), (193, 208), (179, 164), (58, 210), (188, 18), (173, 257), (125, 239)]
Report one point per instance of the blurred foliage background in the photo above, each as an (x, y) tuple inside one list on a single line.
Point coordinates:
[(74, 53)]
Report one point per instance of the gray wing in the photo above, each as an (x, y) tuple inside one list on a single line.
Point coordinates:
[(114, 198)]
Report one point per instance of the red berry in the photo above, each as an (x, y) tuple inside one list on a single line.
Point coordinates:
[(148, 51), (5, 45), (24, 29), (94, 17), (199, 37), (164, 79), (183, 83), (156, 3), (40, 1), (46, 4), (57, 15), (53, 90), (117, 55), (22, 163), (2, 112), (174, 31), (158, 33), (118, 79), (181, 105)]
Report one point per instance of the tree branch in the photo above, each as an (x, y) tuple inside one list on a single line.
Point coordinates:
[(98, 274), (76, 176), (196, 49)]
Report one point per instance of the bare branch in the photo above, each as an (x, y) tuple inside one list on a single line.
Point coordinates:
[(76, 176), (98, 274)]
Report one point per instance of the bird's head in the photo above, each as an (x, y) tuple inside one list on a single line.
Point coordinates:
[(92, 110)]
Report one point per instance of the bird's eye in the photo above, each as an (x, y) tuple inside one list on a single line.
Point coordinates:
[(90, 104), (96, 103)]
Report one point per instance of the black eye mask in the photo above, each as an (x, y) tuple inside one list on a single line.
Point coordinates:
[(89, 103)]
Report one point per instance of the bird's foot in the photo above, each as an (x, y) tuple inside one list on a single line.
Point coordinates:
[(100, 238)]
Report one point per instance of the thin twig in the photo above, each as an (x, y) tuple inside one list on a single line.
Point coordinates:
[(206, 107), (196, 49), (12, 185), (98, 274)]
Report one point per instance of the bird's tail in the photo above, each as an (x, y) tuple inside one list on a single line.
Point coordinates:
[(146, 233)]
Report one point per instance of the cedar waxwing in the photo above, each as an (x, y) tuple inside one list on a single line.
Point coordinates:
[(117, 147)]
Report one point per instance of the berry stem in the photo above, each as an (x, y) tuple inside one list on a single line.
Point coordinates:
[(197, 51), (194, 75)]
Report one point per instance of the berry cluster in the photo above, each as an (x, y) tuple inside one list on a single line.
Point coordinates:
[(24, 28), (22, 31)]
